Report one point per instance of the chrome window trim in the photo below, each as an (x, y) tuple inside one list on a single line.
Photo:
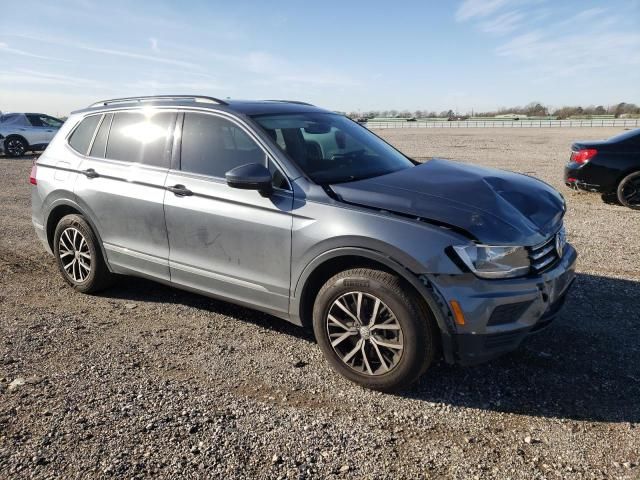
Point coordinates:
[(182, 109), (237, 118)]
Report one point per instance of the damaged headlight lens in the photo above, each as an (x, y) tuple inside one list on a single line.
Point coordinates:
[(494, 262)]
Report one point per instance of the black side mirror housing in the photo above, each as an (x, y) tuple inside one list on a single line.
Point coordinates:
[(252, 176)]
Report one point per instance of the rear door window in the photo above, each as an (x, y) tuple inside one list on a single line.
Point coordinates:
[(212, 146), (35, 120), (139, 137), (82, 135)]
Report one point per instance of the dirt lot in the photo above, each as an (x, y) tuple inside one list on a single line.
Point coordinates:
[(144, 380)]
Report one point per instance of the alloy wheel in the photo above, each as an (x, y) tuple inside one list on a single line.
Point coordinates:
[(15, 147), (74, 254), (631, 192), (364, 333)]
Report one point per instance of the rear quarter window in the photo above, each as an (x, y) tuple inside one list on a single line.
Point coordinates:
[(82, 135)]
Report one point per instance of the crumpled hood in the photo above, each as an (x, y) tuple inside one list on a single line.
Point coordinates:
[(495, 206)]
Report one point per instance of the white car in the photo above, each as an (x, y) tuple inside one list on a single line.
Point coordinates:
[(27, 131)]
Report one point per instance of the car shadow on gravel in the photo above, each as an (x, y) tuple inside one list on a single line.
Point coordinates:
[(139, 289), (583, 367), (586, 366)]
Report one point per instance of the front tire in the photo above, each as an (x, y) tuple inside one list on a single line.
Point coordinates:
[(79, 256), (373, 330), (629, 191)]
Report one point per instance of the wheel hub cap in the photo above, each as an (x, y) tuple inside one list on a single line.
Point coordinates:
[(365, 333)]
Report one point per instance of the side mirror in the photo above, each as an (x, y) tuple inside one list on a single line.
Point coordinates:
[(252, 176)]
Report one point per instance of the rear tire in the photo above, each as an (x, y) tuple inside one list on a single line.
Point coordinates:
[(385, 347), (629, 191), (79, 257), (15, 146)]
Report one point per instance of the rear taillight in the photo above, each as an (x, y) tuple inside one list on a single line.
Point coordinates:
[(583, 155), (32, 175)]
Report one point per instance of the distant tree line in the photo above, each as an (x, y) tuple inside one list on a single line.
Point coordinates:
[(533, 109)]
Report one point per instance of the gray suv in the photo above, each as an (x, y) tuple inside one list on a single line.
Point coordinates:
[(304, 214)]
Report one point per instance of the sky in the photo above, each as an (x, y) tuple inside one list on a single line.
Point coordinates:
[(358, 55)]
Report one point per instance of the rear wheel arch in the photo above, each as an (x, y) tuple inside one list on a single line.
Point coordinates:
[(634, 172), (625, 173), (58, 212)]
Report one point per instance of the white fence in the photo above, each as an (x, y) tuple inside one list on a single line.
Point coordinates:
[(617, 122)]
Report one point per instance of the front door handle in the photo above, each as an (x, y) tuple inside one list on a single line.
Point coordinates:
[(90, 173), (180, 191)]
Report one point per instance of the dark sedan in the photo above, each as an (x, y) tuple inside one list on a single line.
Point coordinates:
[(607, 166)]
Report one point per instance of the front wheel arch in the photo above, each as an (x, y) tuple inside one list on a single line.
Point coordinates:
[(329, 263)]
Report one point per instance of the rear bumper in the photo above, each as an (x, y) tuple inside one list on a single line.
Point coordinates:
[(579, 178), (41, 234), (499, 314)]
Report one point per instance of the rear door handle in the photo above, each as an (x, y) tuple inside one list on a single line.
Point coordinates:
[(180, 191), (90, 173)]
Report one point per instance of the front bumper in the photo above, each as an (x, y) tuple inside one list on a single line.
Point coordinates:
[(499, 314)]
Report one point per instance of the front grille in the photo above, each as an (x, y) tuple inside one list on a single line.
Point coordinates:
[(544, 256)]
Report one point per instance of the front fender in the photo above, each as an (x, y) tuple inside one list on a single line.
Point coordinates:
[(417, 246), (426, 291)]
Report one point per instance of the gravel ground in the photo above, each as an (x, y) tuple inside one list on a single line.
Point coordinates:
[(144, 380)]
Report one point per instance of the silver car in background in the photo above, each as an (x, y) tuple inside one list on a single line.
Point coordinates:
[(304, 214), (23, 132)]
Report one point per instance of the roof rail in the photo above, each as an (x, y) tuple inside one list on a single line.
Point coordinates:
[(291, 101), (151, 98)]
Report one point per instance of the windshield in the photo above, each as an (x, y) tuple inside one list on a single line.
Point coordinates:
[(331, 148)]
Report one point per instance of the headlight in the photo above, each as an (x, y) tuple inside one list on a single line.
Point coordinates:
[(494, 262)]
